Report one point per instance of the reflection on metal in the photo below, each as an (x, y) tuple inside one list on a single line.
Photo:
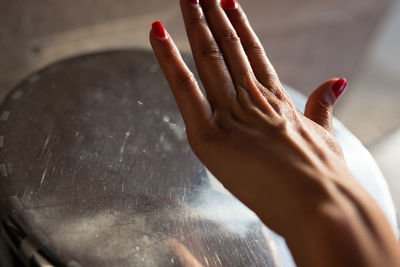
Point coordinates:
[(97, 158)]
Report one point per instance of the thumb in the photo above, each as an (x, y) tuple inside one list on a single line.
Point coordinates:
[(320, 104)]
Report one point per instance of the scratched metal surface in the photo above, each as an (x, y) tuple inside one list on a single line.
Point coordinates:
[(94, 165), (95, 152)]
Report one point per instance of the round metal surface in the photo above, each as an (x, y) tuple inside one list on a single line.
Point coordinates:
[(96, 171), (95, 166)]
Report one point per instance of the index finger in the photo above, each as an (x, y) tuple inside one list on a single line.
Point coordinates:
[(193, 105), (262, 67)]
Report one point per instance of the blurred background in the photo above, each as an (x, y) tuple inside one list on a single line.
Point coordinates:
[(308, 41)]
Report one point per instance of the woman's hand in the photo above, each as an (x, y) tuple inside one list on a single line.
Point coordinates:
[(286, 166), (247, 130)]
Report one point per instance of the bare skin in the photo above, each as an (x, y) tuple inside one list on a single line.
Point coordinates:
[(287, 167)]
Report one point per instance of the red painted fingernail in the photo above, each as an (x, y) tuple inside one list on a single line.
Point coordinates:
[(339, 86), (227, 4), (158, 30), (194, 2)]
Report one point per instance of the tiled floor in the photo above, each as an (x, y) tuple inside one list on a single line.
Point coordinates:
[(308, 41)]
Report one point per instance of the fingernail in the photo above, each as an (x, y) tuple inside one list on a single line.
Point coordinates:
[(158, 30), (194, 2), (228, 4), (339, 86)]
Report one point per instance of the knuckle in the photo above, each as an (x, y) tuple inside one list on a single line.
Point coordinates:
[(229, 37), (254, 49), (196, 20), (244, 100), (184, 81), (325, 103), (271, 86), (246, 108), (211, 52), (281, 125), (319, 102), (320, 99), (282, 96), (171, 55)]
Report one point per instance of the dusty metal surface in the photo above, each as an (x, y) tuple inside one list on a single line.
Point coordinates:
[(95, 166), (96, 154)]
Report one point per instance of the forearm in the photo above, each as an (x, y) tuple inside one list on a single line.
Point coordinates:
[(346, 229)]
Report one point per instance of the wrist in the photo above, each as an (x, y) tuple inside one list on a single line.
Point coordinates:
[(294, 207), (343, 226)]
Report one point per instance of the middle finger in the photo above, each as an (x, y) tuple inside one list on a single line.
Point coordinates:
[(209, 60), (227, 39)]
